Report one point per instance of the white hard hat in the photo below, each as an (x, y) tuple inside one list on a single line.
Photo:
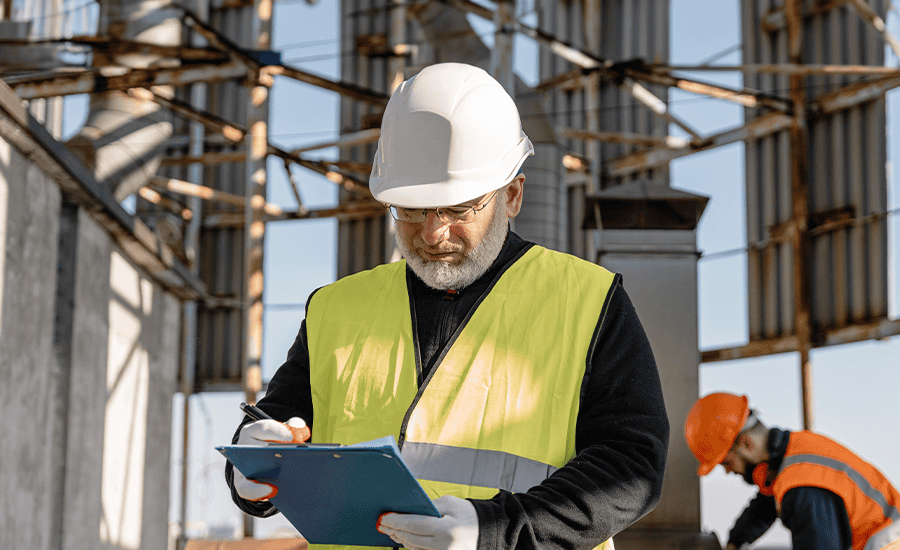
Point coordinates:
[(450, 134)]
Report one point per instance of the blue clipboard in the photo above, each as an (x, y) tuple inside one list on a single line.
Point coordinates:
[(334, 494)]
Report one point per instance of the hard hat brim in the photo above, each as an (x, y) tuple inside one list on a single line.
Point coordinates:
[(456, 188)]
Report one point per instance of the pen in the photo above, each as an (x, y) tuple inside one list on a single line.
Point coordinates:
[(254, 412)]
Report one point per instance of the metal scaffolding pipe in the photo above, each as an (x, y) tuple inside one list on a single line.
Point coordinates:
[(655, 104), (783, 68), (877, 23)]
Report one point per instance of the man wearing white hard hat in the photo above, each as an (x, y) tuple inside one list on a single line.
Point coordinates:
[(517, 380)]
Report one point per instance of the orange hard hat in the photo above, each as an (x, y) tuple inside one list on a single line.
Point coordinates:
[(712, 426)]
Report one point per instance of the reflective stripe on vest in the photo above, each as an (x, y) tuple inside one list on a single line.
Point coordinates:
[(890, 533), (857, 478), (474, 467)]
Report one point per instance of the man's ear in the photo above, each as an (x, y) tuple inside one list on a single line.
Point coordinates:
[(514, 196), (746, 442)]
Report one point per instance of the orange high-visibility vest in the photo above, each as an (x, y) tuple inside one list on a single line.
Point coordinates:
[(873, 504)]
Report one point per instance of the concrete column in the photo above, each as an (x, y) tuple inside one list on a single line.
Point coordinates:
[(648, 235)]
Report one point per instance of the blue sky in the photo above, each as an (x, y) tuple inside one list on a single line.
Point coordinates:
[(855, 386)]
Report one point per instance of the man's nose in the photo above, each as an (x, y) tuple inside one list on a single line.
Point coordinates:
[(434, 230)]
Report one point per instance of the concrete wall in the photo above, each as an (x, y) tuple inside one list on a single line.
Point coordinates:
[(88, 363), (28, 272)]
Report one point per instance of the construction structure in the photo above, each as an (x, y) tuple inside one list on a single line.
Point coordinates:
[(178, 123)]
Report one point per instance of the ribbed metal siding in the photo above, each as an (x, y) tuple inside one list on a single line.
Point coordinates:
[(614, 30), (363, 243), (847, 157), (220, 347)]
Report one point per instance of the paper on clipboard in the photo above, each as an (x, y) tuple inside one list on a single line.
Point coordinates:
[(333, 494)]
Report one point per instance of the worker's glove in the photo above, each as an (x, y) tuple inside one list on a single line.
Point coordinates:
[(262, 433), (456, 530)]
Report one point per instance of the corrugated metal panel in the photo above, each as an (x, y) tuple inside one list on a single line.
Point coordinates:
[(846, 181), (220, 348), (364, 25), (615, 30)]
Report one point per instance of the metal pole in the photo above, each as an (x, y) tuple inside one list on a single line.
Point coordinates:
[(398, 44), (502, 54), (799, 140), (593, 150), (255, 228), (877, 23), (181, 541), (592, 30)]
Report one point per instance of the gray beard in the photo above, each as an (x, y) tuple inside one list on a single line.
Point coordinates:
[(443, 275)]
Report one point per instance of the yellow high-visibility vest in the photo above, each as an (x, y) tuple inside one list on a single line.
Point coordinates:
[(498, 410)]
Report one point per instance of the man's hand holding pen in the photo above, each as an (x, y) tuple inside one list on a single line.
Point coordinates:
[(265, 431)]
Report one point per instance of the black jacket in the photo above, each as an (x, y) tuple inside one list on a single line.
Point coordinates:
[(621, 433)]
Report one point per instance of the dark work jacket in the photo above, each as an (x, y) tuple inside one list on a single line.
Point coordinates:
[(816, 518), (621, 435)]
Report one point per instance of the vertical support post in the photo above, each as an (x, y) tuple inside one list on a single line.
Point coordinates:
[(397, 39), (502, 54), (257, 145), (592, 29), (53, 106), (799, 140), (181, 541), (501, 63), (189, 310), (254, 238), (254, 215), (398, 42)]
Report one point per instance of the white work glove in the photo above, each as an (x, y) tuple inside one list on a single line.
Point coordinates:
[(262, 433), (456, 530)]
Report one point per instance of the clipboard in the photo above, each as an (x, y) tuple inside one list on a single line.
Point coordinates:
[(334, 494)]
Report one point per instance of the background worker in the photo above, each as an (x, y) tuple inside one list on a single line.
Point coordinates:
[(828, 497), (518, 381)]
